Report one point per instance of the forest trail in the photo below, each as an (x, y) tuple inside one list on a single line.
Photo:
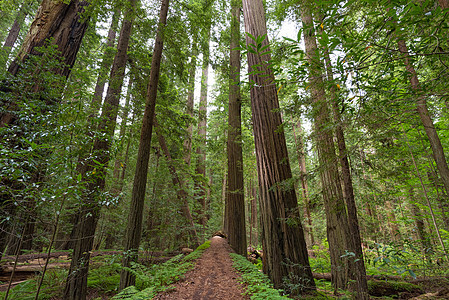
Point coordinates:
[(212, 278)]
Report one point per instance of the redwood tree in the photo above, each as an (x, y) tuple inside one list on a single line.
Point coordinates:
[(134, 227), (235, 200), (285, 252)]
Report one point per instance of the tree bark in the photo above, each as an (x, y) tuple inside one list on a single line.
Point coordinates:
[(60, 21), (336, 218), (94, 170), (134, 227), (235, 191), (285, 250), (357, 270)]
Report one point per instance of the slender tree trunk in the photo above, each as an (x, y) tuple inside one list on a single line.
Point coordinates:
[(15, 30), (235, 192), (200, 186), (105, 66), (134, 227), (423, 112), (392, 223), (285, 250), (336, 218), (303, 177), (419, 222), (94, 170), (358, 272), (189, 104), (118, 165), (181, 191)]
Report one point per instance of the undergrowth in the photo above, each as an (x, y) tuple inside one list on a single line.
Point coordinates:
[(259, 286), (158, 278)]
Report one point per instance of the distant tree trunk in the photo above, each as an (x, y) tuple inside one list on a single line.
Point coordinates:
[(419, 222), (189, 104), (200, 185), (235, 192), (358, 272), (285, 250), (423, 112), (105, 65), (94, 169), (15, 30), (392, 223), (119, 161), (303, 177), (134, 227), (181, 191), (336, 217)]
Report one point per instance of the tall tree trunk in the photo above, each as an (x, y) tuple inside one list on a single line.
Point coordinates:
[(200, 185), (336, 217), (357, 271), (134, 227), (235, 192), (303, 177), (105, 65), (94, 170), (119, 160), (189, 104), (423, 112), (285, 250), (181, 191)]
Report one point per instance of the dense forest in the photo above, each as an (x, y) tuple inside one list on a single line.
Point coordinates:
[(312, 135)]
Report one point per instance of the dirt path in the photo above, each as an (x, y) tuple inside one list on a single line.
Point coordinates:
[(213, 277)]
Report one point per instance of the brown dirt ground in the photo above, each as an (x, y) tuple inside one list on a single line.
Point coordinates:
[(212, 278)]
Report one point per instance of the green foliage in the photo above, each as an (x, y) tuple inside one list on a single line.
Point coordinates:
[(258, 284), (52, 286)]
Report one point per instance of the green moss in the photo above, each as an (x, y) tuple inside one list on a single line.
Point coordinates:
[(388, 288)]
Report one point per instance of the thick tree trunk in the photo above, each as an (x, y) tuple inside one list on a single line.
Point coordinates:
[(134, 227), (94, 170), (303, 177), (336, 218), (60, 21), (181, 191), (285, 250), (235, 192), (357, 270), (423, 112), (54, 20)]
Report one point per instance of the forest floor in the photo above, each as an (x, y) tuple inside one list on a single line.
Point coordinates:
[(212, 278)]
